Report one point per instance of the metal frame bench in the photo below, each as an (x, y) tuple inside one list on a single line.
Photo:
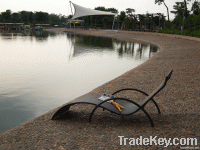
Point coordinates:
[(130, 106)]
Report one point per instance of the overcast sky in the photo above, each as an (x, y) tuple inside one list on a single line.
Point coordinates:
[(63, 7)]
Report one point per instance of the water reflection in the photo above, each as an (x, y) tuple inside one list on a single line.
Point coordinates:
[(40, 71), (90, 41), (82, 44), (40, 36)]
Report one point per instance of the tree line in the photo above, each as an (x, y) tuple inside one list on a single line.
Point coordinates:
[(29, 17), (186, 21), (184, 18)]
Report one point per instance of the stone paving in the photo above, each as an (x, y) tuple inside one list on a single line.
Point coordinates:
[(179, 102)]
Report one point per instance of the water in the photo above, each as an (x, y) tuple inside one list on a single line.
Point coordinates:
[(41, 71)]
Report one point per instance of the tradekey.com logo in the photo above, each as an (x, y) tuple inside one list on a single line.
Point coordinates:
[(158, 141)]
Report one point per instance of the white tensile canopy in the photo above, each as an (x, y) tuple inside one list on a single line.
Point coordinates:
[(82, 11)]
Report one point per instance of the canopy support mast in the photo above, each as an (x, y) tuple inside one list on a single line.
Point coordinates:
[(71, 6), (113, 22)]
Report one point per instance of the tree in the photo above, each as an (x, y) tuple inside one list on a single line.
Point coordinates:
[(41, 17), (100, 8), (122, 18), (195, 8), (69, 17), (31, 17), (179, 9), (15, 17), (159, 3), (54, 19), (181, 13), (0, 17), (63, 18), (129, 18), (130, 11), (6, 16), (24, 16), (185, 10)]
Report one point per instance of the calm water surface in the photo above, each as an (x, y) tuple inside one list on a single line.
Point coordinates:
[(41, 71)]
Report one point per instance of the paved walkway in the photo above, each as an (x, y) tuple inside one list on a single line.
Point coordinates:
[(179, 103)]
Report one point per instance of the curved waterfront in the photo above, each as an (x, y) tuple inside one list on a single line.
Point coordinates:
[(41, 71)]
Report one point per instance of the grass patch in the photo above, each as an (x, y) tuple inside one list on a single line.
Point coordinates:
[(194, 33)]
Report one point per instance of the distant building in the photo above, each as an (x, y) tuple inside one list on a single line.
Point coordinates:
[(11, 26)]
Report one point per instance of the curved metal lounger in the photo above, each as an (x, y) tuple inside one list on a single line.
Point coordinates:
[(92, 98), (130, 106)]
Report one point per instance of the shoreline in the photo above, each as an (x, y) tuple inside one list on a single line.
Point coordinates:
[(178, 101)]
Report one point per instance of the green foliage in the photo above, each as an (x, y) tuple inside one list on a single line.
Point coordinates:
[(195, 8), (159, 2), (181, 9), (41, 17), (6, 16), (29, 17), (15, 17), (195, 33), (191, 22), (171, 31), (183, 17), (26, 16), (130, 11), (122, 16)]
